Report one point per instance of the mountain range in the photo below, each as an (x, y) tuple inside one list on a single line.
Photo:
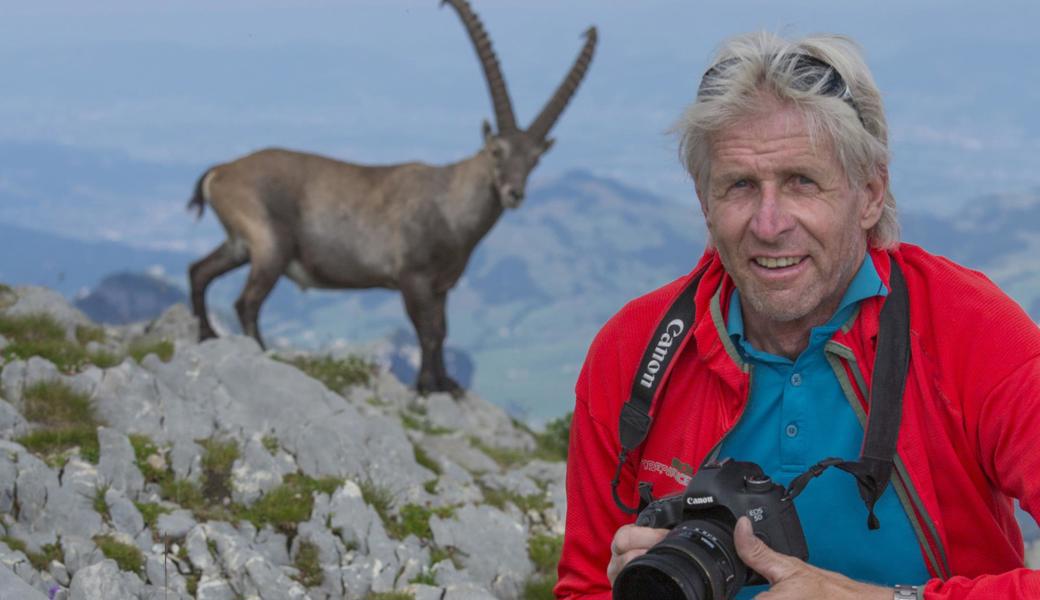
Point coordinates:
[(536, 290)]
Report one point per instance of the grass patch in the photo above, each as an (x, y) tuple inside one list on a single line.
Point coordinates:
[(39, 334), (415, 520), (128, 557), (140, 349), (150, 512), (55, 404), (287, 505), (144, 447), (86, 334), (379, 497), (505, 457), (271, 444), (192, 581), (100, 504), (539, 588), (426, 460), (49, 443), (437, 554), (390, 596), (499, 498), (217, 458), (419, 423), (335, 373), (308, 561), (553, 442), (183, 492), (544, 551), (425, 577)]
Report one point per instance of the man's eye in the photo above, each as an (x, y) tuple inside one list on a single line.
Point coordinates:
[(803, 180), (741, 183)]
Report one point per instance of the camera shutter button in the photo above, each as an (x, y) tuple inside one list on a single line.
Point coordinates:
[(758, 484)]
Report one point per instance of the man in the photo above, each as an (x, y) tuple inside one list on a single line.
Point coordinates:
[(787, 145)]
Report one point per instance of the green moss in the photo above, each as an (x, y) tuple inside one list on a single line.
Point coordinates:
[(218, 456), (390, 596), (544, 551), (414, 519), (499, 498), (437, 554), (55, 404), (419, 423), (379, 497), (506, 458), (308, 561), (270, 442), (287, 505), (128, 557), (150, 512), (335, 373), (426, 460), (183, 492), (431, 486), (140, 349), (540, 588), (13, 543), (100, 504), (49, 442), (143, 448), (425, 577), (86, 334), (553, 442), (192, 581)]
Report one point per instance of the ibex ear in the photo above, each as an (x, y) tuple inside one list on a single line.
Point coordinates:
[(486, 130), (548, 143)]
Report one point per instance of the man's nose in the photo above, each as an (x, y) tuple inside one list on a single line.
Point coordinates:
[(771, 219)]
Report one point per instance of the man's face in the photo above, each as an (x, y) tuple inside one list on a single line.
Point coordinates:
[(790, 229)]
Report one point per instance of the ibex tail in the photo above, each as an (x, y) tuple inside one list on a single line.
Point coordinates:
[(198, 200)]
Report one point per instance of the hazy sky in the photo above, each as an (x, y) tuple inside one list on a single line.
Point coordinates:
[(193, 82)]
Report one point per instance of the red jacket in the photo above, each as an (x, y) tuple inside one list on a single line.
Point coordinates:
[(967, 444)]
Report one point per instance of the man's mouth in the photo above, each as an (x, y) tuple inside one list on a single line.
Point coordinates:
[(780, 262)]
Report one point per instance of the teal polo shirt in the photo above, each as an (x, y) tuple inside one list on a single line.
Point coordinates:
[(796, 416)]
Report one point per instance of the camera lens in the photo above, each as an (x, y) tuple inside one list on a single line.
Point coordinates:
[(695, 561)]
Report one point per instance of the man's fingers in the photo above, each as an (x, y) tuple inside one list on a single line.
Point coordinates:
[(757, 555), (631, 537), (619, 561)]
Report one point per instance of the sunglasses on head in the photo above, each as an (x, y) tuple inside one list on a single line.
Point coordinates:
[(808, 73)]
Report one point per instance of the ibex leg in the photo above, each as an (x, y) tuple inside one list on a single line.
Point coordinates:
[(426, 308), (265, 269), (201, 273)]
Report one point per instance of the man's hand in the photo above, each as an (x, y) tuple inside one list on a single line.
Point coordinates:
[(792, 579), (629, 542)]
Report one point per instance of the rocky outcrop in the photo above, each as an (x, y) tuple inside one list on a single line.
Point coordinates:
[(390, 491)]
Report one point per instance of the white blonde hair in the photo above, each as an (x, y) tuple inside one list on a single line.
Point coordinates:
[(760, 67)]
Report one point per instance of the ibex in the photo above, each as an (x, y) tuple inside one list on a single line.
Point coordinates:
[(412, 227)]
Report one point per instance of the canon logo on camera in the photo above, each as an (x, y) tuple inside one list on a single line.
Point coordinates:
[(701, 500)]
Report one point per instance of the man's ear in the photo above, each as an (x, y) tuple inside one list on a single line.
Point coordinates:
[(876, 189)]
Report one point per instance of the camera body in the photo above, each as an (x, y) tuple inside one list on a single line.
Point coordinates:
[(697, 559)]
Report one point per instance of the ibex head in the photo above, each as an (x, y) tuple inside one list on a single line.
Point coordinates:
[(514, 151)]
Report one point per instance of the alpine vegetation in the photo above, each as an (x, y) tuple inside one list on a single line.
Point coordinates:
[(217, 470), (411, 227)]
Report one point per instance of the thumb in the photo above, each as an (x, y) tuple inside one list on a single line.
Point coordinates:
[(758, 556)]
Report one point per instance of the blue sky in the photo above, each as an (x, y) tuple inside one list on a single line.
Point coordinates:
[(193, 83)]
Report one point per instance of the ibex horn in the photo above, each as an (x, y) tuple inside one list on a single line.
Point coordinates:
[(544, 121)]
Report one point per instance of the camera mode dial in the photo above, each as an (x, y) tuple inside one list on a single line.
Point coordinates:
[(755, 483)]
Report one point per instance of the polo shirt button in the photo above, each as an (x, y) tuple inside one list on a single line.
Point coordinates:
[(796, 379), (791, 430)]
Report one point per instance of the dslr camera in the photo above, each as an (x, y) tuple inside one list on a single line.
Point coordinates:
[(697, 560)]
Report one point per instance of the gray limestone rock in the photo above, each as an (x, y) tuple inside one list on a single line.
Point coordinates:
[(257, 472), (186, 459), (34, 299), (162, 573), (124, 515), (492, 547), (102, 580), (12, 423), (214, 587), (175, 525), (79, 552), (13, 586), (176, 325), (455, 448), (117, 468), (482, 419), (46, 507)]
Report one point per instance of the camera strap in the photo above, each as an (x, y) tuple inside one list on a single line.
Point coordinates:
[(874, 468)]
